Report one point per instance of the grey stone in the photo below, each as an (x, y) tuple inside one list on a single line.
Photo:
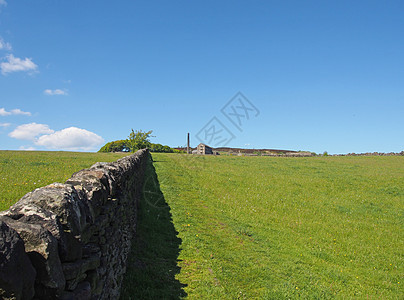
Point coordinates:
[(93, 279), (69, 247), (90, 249), (113, 174), (75, 269), (66, 295), (74, 249), (102, 221), (95, 184), (61, 200), (87, 233), (83, 291), (42, 250), (71, 285), (17, 275), (33, 214)]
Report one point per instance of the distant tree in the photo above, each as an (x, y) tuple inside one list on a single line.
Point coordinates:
[(115, 146), (139, 140), (325, 153), (123, 146), (160, 148), (106, 148)]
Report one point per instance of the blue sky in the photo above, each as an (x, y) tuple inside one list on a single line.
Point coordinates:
[(317, 75)]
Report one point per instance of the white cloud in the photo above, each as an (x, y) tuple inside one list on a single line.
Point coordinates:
[(15, 111), (30, 131), (55, 92), (15, 64), (18, 111), (5, 124), (3, 2), (71, 138), (4, 45), (3, 112)]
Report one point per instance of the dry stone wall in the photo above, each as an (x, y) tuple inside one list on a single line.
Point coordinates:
[(71, 240)]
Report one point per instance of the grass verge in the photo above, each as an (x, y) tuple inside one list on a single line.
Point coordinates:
[(278, 228), (152, 265)]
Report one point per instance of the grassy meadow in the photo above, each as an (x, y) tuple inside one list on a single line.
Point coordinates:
[(270, 228), (24, 171), (224, 227)]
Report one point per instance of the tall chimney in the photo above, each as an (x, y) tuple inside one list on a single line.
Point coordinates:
[(188, 144)]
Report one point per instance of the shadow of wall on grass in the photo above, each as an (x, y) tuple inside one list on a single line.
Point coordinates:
[(152, 264)]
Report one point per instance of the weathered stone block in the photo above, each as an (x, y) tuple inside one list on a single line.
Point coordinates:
[(33, 214), (42, 250), (91, 249), (83, 291), (104, 249), (113, 174), (75, 269), (17, 275), (87, 233), (102, 221), (93, 278), (94, 184), (96, 293), (66, 295), (72, 284), (59, 199), (74, 249)]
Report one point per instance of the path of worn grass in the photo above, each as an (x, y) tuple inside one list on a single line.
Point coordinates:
[(274, 228), (152, 264), (24, 171)]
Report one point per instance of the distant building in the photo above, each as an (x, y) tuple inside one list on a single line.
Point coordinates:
[(299, 154), (203, 149)]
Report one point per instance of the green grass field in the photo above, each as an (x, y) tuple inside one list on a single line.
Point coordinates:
[(270, 228), (24, 171), (251, 227)]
